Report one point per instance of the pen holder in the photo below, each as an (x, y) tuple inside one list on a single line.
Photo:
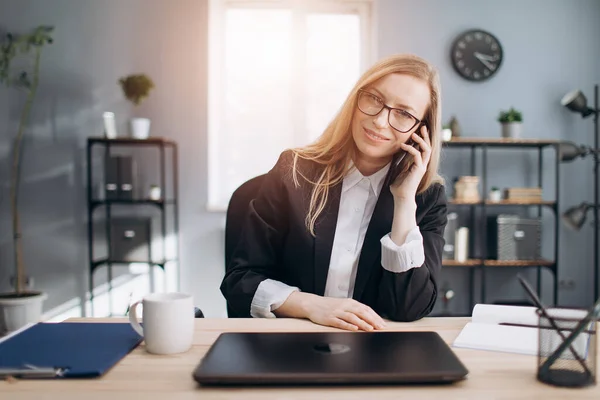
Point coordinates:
[(576, 365)]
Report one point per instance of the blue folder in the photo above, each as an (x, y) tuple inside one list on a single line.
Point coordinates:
[(71, 350)]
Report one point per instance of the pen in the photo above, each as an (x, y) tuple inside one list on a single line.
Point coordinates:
[(31, 372)]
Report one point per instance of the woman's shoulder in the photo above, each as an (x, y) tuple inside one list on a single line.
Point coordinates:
[(290, 162), (285, 160), (434, 194)]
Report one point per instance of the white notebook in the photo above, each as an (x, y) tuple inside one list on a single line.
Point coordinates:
[(486, 333)]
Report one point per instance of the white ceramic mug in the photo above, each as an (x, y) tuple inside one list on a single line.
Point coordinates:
[(168, 320)]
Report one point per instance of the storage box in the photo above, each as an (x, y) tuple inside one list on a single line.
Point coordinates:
[(511, 237), (111, 178), (127, 172), (130, 239), (119, 178)]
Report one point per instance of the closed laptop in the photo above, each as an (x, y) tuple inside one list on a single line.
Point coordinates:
[(329, 357)]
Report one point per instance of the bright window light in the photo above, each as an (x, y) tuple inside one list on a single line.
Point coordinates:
[(279, 71)]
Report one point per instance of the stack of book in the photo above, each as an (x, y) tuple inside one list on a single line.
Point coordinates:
[(524, 195)]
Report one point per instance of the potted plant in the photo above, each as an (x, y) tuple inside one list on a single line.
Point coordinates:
[(136, 88), (495, 194), (22, 306), (511, 121)]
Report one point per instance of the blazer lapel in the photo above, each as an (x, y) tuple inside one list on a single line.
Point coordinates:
[(380, 225), (325, 231)]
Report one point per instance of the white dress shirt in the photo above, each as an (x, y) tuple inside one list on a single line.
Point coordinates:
[(357, 202)]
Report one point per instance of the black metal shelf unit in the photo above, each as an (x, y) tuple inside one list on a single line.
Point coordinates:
[(166, 204), (482, 264)]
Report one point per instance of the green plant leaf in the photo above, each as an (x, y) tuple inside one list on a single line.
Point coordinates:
[(136, 87), (512, 115), (13, 45)]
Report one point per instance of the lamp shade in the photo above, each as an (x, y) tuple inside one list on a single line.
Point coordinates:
[(568, 151), (574, 217), (576, 101)]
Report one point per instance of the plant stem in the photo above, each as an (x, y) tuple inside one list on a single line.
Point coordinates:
[(15, 177)]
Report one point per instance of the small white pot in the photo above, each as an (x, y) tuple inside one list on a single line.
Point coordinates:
[(154, 193), (511, 130), (140, 128), (16, 312), (495, 196), (446, 134)]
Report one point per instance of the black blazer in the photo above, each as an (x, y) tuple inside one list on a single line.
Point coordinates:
[(276, 244)]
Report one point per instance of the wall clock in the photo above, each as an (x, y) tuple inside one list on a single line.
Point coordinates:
[(476, 55)]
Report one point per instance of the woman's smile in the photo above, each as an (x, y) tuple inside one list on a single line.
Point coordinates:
[(375, 137)]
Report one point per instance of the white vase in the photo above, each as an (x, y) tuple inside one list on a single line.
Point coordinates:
[(511, 130), (16, 312), (461, 244), (140, 128), (110, 129)]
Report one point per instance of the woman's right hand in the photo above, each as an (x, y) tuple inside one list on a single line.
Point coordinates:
[(347, 314)]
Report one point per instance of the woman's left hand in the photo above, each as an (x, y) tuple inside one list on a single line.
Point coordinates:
[(405, 186)]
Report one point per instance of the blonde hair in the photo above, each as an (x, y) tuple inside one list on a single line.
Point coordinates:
[(335, 148)]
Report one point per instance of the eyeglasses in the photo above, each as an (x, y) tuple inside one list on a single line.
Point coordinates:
[(400, 120)]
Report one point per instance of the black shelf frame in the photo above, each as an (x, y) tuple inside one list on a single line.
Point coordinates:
[(163, 145), (157, 203), (482, 264)]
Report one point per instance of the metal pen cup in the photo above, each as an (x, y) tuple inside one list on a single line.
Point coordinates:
[(576, 366)]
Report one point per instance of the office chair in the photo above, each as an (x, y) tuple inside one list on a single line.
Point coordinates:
[(234, 219)]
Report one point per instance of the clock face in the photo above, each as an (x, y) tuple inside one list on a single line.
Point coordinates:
[(476, 55)]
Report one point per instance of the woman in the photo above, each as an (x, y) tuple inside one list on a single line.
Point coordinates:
[(349, 230)]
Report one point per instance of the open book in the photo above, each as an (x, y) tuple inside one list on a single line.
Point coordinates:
[(487, 332)]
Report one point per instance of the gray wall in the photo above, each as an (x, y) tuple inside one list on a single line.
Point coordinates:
[(549, 49)]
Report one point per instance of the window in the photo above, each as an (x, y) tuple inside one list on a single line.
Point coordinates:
[(279, 71)]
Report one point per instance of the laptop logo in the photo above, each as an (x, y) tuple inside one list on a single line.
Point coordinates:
[(331, 348)]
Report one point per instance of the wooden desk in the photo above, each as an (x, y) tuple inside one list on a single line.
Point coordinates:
[(143, 376)]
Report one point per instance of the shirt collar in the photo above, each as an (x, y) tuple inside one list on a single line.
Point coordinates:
[(375, 180)]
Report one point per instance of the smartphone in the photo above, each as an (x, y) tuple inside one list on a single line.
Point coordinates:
[(397, 163)]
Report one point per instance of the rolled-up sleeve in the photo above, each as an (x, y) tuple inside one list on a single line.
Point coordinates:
[(400, 258), (269, 296)]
